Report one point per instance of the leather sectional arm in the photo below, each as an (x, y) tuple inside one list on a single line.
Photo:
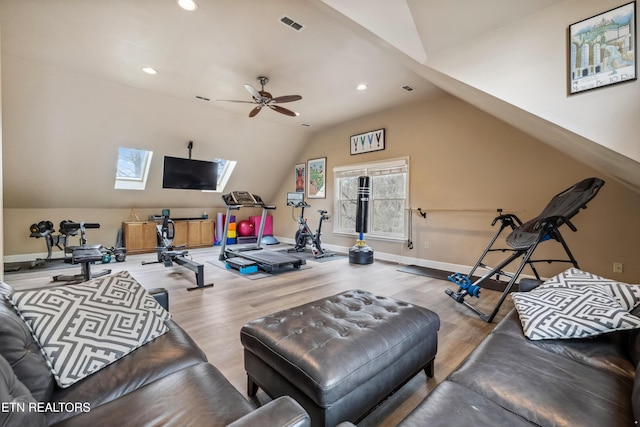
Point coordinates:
[(283, 411)]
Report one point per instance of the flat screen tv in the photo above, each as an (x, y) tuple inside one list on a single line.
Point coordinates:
[(189, 174)]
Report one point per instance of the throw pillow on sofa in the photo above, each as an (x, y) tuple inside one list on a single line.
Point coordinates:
[(627, 295), (83, 328), (562, 312)]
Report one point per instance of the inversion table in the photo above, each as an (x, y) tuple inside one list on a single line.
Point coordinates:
[(523, 241)]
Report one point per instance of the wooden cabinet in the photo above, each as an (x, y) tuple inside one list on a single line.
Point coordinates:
[(180, 233), (141, 236), (207, 232), (200, 233)]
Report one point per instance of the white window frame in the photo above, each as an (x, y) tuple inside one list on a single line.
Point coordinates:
[(138, 182), (224, 176), (370, 169)]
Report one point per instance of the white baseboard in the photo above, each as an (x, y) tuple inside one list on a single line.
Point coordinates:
[(405, 260), (30, 257)]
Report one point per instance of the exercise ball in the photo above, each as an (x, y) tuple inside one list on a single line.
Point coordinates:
[(245, 228)]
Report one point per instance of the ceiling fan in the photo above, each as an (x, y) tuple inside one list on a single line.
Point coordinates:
[(264, 99)]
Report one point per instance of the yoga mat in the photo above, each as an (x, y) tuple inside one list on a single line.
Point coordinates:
[(442, 275), (219, 228)]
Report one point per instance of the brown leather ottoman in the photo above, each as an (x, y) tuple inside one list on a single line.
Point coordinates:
[(339, 356)]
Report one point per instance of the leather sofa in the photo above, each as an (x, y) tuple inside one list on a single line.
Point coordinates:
[(167, 382), (511, 380)]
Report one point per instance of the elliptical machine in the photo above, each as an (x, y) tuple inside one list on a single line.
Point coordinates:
[(304, 236)]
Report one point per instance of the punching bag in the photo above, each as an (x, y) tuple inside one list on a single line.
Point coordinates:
[(361, 253), (362, 209)]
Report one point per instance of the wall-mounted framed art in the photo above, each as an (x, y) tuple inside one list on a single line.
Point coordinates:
[(367, 142), (317, 178), (602, 49), (300, 177)]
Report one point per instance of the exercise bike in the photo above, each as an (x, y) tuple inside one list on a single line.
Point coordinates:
[(304, 236)]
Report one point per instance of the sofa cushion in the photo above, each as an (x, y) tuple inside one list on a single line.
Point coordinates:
[(545, 388), (607, 351), (168, 353), (19, 408), (22, 352), (451, 404), (195, 396), (570, 313), (83, 328), (627, 295)]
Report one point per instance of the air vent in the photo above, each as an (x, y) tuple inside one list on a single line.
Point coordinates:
[(407, 88), (306, 125), (291, 23)]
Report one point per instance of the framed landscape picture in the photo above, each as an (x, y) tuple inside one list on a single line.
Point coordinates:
[(316, 178), (602, 49)]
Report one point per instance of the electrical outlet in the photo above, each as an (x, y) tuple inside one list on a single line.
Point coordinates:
[(426, 245), (617, 267)]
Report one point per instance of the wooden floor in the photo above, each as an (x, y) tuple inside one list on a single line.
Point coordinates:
[(214, 316)]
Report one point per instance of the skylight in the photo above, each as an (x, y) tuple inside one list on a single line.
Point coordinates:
[(225, 169), (132, 168)]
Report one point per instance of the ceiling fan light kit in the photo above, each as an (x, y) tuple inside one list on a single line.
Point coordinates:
[(264, 99)]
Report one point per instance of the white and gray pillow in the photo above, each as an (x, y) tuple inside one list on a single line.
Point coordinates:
[(627, 295), (85, 327), (577, 304)]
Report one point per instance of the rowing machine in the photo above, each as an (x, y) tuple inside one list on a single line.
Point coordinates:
[(168, 254)]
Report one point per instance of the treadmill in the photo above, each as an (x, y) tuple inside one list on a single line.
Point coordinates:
[(242, 257)]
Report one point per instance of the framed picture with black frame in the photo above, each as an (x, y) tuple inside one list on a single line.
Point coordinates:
[(602, 49)]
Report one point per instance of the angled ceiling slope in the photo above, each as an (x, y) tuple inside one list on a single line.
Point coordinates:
[(425, 31)]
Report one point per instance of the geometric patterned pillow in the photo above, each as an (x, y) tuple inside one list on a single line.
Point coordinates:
[(564, 312), (85, 327), (627, 295)]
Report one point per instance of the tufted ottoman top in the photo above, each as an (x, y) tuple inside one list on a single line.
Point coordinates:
[(329, 347)]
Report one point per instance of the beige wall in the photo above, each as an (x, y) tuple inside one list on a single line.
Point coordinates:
[(464, 165)]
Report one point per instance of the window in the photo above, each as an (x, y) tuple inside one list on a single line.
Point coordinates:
[(225, 169), (132, 168), (388, 201)]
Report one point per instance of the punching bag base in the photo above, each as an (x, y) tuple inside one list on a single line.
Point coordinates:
[(361, 255)]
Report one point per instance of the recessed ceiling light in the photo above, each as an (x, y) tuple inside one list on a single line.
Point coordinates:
[(361, 86), (150, 70), (297, 114), (189, 5)]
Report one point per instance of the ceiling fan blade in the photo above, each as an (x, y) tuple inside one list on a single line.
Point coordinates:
[(287, 98), (255, 111), (256, 95), (233, 100), (282, 110)]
